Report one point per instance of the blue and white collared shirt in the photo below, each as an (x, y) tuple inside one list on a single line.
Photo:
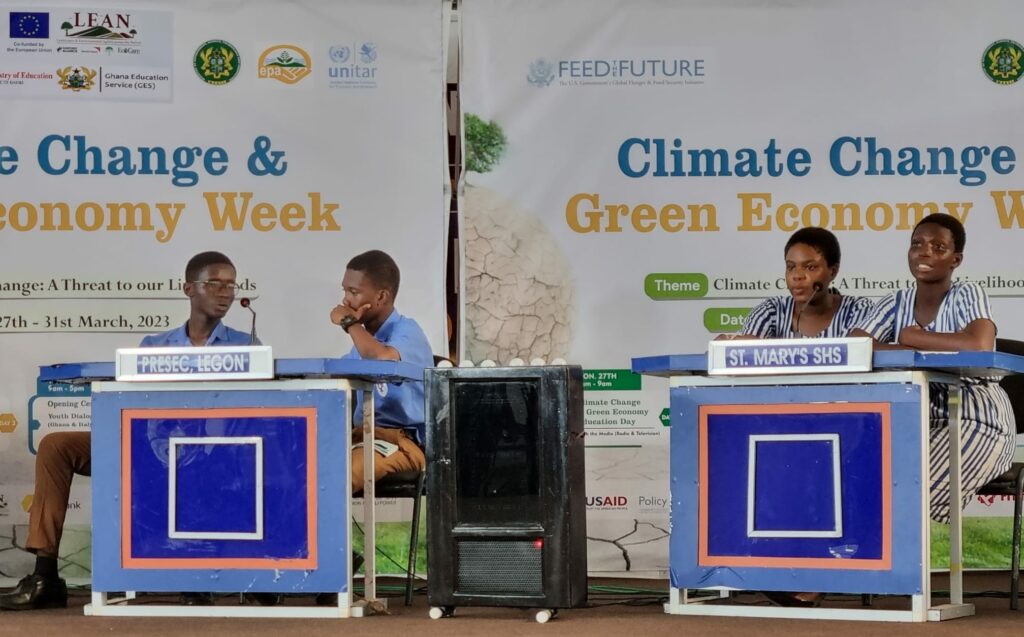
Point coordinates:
[(773, 318), (399, 404), (178, 337)]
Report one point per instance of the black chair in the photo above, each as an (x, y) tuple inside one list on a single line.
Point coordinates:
[(1011, 483), (406, 484)]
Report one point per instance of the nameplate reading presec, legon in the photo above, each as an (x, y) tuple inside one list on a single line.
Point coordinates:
[(789, 356), (253, 362)]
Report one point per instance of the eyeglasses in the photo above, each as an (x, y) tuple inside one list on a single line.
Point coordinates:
[(219, 286)]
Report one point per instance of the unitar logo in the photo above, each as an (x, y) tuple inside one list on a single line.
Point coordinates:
[(607, 501)]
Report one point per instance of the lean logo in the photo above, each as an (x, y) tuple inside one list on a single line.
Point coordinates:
[(99, 26), (216, 62), (285, 63), (76, 78), (1002, 62)]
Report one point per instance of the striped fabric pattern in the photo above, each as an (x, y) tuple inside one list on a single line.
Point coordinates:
[(987, 424), (772, 318)]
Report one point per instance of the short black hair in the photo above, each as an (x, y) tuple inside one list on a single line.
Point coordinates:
[(380, 267), (203, 260), (950, 223), (820, 239)]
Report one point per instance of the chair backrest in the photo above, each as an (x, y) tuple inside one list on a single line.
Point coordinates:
[(1013, 384)]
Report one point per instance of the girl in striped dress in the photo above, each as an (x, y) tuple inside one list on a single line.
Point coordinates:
[(941, 315), (812, 308)]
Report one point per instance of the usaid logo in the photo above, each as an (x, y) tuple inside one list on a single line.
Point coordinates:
[(607, 502)]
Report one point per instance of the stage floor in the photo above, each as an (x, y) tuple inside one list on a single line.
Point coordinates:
[(617, 607)]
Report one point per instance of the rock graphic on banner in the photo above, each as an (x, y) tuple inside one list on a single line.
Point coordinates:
[(520, 299)]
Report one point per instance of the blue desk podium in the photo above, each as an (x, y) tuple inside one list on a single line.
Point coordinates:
[(229, 486), (808, 480)]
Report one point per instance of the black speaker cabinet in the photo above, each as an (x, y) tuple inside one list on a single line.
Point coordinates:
[(506, 501)]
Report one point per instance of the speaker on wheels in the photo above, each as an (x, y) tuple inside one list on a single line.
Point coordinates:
[(506, 504)]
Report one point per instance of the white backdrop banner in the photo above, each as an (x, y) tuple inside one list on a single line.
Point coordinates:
[(289, 135), (639, 166)]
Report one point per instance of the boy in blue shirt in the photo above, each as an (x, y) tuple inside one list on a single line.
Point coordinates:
[(210, 287), (367, 314)]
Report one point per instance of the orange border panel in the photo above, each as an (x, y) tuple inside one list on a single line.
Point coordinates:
[(308, 562), (883, 563)]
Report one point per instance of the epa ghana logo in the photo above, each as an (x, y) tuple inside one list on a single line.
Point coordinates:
[(76, 78), (285, 63), (1002, 61), (216, 62)]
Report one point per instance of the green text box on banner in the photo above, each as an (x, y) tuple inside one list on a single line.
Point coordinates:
[(610, 380), (725, 319), (668, 286)]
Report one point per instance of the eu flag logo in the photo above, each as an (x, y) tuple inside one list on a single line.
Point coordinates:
[(30, 25)]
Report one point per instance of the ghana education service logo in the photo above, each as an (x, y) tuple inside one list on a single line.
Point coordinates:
[(1002, 61), (285, 63), (76, 78), (216, 62)]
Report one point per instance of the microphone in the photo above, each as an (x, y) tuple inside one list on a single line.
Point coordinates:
[(816, 289), (246, 302)]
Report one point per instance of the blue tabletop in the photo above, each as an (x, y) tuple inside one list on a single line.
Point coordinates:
[(960, 363), (369, 370)]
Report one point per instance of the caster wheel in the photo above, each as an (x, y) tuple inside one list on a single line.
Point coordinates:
[(437, 612), (543, 616)]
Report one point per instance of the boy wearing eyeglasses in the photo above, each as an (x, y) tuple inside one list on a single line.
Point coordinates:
[(211, 287)]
